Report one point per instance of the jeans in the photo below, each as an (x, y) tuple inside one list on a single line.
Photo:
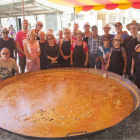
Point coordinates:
[(92, 61)]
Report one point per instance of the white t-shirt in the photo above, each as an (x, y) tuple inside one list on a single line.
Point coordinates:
[(6, 68)]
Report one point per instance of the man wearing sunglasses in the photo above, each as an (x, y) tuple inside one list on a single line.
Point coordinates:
[(20, 36), (8, 42), (7, 65)]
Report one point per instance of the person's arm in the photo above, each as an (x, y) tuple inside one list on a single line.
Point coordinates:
[(102, 60), (26, 52), (86, 62), (71, 58), (60, 49), (125, 62), (15, 50), (0, 79), (132, 67), (19, 48), (107, 65)]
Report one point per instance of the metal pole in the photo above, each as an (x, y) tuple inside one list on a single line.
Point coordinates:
[(0, 22), (23, 10), (74, 14), (17, 24)]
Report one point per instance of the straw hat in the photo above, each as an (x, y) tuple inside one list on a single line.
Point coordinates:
[(106, 25), (79, 32), (4, 30), (133, 23)]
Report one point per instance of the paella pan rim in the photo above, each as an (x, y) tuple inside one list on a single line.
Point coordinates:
[(135, 92)]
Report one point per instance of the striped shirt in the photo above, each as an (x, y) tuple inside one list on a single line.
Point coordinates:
[(94, 43)]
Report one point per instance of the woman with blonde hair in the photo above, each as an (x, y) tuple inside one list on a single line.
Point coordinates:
[(38, 27), (65, 45), (32, 52), (52, 52), (117, 60)]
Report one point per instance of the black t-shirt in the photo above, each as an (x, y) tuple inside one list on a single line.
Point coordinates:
[(10, 44)]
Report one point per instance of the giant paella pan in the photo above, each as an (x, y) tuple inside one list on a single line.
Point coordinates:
[(65, 103)]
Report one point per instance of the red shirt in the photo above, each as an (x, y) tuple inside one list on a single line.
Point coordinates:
[(20, 36), (85, 47)]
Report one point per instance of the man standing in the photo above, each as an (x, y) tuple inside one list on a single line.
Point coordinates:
[(93, 43), (106, 29), (13, 29), (7, 65), (20, 36), (118, 28), (8, 42), (131, 42)]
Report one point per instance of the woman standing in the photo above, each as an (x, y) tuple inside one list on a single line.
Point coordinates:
[(38, 27), (52, 52), (136, 63), (104, 51), (65, 45), (32, 52), (79, 51), (117, 60), (42, 43)]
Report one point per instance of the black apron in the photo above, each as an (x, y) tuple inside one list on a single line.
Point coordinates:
[(136, 57), (79, 56), (65, 48), (116, 64), (86, 39), (42, 56), (52, 53), (130, 47)]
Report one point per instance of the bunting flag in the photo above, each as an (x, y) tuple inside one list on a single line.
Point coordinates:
[(86, 5)]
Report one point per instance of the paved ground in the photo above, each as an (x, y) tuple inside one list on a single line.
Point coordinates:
[(128, 129)]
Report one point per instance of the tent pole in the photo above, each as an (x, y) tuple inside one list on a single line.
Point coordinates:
[(17, 24), (0, 22), (74, 15), (23, 9)]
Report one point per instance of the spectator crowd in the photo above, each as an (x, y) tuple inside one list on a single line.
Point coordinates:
[(36, 50)]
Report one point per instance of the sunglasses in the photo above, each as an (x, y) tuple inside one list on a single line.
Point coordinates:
[(5, 32), (39, 25), (105, 39), (67, 33), (117, 25), (5, 53), (117, 40), (50, 38)]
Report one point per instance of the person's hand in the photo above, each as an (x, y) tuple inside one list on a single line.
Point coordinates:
[(124, 71), (53, 60), (71, 63), (97, 59), (34, 62), (85, 64), (132, 72), (66, 57)]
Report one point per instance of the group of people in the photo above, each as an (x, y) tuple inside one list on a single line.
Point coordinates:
[(118, 53)]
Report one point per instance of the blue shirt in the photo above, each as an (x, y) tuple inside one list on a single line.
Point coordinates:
[(106, 50), (94, 43), (124, 36)]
